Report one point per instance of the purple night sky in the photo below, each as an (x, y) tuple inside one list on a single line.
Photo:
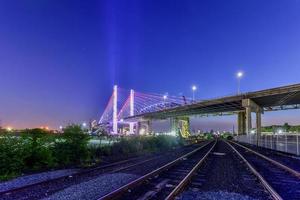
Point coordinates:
[(59, 59)]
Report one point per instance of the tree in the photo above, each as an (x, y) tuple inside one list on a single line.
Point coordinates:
[(286, 127)]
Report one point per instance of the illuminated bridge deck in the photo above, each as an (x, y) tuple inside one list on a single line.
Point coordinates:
[(280, 98)]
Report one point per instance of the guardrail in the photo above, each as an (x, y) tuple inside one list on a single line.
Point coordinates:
[(289, 143)]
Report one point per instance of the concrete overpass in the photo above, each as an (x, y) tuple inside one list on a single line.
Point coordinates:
[(280, 98)]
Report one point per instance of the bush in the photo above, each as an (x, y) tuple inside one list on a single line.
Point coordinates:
[(39, 152), (37, 149), (71, 148), (140, 144), (11, 156)]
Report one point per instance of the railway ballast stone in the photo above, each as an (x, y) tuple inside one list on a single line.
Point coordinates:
[(93, 189), (190, 195)]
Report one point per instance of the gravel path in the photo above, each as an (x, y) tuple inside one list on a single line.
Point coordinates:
[(93, 189), (34, 178)]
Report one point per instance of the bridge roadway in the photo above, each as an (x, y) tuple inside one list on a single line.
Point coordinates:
[(280, 98)]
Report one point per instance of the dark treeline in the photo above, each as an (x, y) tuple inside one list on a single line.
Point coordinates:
[(285, 128)]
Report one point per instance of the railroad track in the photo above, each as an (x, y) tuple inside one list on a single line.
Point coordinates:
[(223, 176), (281, 181), (281, 157), (161, 182), (113, 167), (267, 178), (32, 190)]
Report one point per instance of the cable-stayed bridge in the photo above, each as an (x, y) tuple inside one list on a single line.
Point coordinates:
[(124, 104), (137, 109)]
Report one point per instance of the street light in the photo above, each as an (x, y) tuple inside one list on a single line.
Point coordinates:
[(239, 76), (194, 88), (84, 124), (164, 99)]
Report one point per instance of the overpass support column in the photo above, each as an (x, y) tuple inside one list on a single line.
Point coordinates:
[(250, 106), (258, 126), (248, 120), (241, 123), (174, 126), (144, 127), (180, 126)]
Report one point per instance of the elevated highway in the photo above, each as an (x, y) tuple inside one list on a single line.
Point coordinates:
[(280, 98)]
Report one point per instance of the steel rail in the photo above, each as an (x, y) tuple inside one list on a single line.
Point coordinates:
[(118, 192), (188, 177), (268, 187), (286, 168)]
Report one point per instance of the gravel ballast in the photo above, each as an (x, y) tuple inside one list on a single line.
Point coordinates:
[(224, 171), (35, 178), (93, 189), (44, 190), (189, 195)]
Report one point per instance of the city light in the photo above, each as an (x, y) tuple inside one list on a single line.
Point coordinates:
[(60, 127), (165, 97), (142, 131), (84, 124), (44, 127)]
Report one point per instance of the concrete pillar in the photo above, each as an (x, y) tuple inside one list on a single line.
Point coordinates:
[(241, 123), (258, 126), (145, 126), (180, 126), (149, 125), (174, 126), (248, 120)]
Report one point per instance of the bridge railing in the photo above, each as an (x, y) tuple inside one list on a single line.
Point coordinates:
[(289, 143)]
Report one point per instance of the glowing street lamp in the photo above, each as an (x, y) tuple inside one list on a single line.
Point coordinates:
[(84, 124), (239, 76), (194, 88), (165, 97)]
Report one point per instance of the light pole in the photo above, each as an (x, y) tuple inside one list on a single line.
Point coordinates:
[(239, 76), (194, 88), (165, 98)]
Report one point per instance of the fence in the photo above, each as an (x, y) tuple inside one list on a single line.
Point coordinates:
[(289, 143)]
